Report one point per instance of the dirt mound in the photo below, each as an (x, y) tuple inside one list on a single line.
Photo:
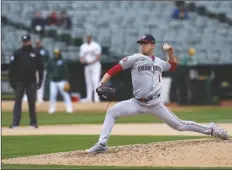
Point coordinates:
[(183, 153)]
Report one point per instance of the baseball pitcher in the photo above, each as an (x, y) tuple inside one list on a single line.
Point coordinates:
[(146, 71)]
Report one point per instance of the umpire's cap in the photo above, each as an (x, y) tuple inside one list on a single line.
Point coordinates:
[(146, 38), (26, 38)]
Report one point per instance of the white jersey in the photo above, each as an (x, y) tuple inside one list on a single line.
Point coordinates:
[(146, 74), (90, 51)]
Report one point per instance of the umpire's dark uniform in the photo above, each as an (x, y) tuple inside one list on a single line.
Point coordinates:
[(24, 64)]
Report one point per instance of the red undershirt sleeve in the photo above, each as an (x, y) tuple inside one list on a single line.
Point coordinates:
[(173, 66), (115, 70)]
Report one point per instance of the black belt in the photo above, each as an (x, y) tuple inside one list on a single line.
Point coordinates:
[(145, 100)]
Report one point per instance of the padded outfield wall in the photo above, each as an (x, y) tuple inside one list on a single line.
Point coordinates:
[(200, 85)]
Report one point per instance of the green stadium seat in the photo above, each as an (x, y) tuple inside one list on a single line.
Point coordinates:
[(65, 37), (77, 41), (105, 50), (52, 33), (201, 10)]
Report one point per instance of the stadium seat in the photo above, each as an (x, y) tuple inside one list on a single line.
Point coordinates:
[(77, 41), (64, 35), (51, 31), (117, 32)]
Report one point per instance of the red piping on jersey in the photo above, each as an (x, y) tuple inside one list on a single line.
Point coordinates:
[(173, 66), (153, 58), (115, 70)]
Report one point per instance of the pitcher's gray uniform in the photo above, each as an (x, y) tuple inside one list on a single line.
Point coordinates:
[(147, 80), (146, 74)]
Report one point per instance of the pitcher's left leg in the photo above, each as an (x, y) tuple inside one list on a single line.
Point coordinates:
[(125, 108), (173, 121)]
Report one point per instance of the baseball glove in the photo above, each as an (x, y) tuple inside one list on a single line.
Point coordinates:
[(66, 87), (106, 92)]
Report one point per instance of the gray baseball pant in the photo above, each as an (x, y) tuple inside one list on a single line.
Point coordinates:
[(133, 107)]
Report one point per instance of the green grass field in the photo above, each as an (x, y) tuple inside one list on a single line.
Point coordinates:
[(17, 146), (198, 115)]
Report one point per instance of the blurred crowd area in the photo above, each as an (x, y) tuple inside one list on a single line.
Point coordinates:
[(200, 31)]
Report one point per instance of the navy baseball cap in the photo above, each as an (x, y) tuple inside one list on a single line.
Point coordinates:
[(26, 38), (147, 38)]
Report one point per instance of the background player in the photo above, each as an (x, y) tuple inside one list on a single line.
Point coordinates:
[(90, 53), (146, 71), (57, 72)]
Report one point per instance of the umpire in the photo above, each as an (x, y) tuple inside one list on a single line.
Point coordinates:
[(24, 65), (44, 53)]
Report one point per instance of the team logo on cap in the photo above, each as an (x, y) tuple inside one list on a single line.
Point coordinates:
[(143, 37)]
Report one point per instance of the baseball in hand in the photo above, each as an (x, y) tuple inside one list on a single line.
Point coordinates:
[(166, 47)]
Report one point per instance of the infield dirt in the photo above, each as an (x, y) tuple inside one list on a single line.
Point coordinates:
[(185, 153)]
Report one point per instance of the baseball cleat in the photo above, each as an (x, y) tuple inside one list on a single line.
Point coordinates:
[(51, 111), (69, 110), (97, 148), (33, 126), (13, 126), (218, 132)]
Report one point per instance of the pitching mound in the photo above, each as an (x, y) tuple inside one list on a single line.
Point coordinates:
[(185, 153)]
